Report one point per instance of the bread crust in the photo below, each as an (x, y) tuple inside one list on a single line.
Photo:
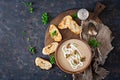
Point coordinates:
[(49, 49), (65, 22), (74, 27), (57, 35), (42, 63), (68, 22)]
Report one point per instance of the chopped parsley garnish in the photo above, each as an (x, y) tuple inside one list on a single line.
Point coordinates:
[(23, 32), (30, 6), (31, 9), (65, 76), (28, 39), (74, 15), (94, 43), (53, 33), (32, 49), (45, 18), (52, 59)]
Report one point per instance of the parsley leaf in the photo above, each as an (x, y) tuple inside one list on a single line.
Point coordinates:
[(45, 18), (30, 6), (52, 59), (74, 15), (53, 33), (32, 49), (65, 76), (23, 32), (31, 9), (28, 39), (94, 43)]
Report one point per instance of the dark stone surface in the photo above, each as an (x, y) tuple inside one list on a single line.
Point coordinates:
[(17, 63)]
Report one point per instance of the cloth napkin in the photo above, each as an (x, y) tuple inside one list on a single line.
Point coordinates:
[(104, 36)]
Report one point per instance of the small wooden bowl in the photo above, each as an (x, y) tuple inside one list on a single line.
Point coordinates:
[(62, 62)]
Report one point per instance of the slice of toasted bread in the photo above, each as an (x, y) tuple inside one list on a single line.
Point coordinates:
[(54, 33), (65, 22), (68, 22), (42, 63), (51, 48), (74, 27)]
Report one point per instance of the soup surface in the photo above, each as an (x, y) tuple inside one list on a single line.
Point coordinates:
[(73, 55)]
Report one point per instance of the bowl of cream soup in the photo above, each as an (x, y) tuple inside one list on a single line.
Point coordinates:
[(73, 56)]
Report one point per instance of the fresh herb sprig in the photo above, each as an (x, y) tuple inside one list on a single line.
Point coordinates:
[(52, 59), (45, 18), (28, 39), (31, 9), (32, 49), (23, 32), (53, 33), (30, 6), (74, 15), (65, 76), (94, 43)]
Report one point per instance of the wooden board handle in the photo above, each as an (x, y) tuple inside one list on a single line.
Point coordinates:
[(99, 8)]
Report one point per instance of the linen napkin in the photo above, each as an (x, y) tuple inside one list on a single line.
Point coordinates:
[(104, 36)]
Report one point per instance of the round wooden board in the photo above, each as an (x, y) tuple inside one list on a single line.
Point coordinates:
[(66, 33)]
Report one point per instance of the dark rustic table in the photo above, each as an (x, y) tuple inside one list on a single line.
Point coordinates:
[(17, 63)]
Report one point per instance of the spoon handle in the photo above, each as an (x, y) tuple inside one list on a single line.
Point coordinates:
[(99, 8)]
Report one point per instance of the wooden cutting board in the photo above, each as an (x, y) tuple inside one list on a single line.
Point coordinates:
[(66, 33)]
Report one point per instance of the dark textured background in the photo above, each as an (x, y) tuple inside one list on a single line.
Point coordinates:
[(17, 63)]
